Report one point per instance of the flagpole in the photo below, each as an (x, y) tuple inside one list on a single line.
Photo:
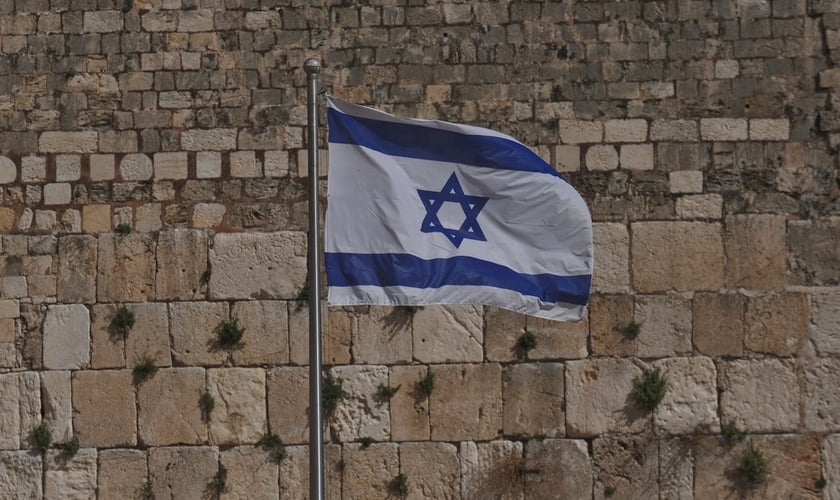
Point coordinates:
[(316, 439)]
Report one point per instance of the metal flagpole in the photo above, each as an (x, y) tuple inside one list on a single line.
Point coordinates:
[(316, 439)]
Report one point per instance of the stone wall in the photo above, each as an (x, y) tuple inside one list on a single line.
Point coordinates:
[(152, 162)]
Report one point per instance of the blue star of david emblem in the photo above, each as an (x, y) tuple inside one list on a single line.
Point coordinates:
[(471, 205)]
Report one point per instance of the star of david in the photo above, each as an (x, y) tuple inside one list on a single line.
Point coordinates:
[(471, 205)]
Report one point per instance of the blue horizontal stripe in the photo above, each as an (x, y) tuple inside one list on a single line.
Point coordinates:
[(355, 269), (427, 143)]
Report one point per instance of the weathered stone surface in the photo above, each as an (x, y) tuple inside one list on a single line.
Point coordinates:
[(68, 142), (633, 130), (58, 408), (576, 132), (769, 129), (685, 181), (599, 398), (776, 324), (73, 477), (759, 395), (456, 413), (207, 215), (676, 256), (825, 317), (723, 129), (359, 414), (193, 327), (533, 400), (294, 472), (822, 395), (491, 470), (170, 166), (288, 403), (266, 332), (20, 409), (612, 246), (718, 324), (601, 157), (239, 414), (136, 167), (76, 269), (699, 206), (755, 251), (629, 465), (432, 470), (121, 473), (181, 262), (107, 345), (104, 412), (384, 336), (182, 471), (690, 402), (831, 464), (815, 249), (149, 337), (251, 473), (368, 472), (66, 337), (609, 316), (448, 334), (338, 325), (126, 269), (168, 411), (21, 473), (676, 467), (665, 325), (209, 140), (258, 265), (555, 339), (409, 409), (8, 170), (557, 467)]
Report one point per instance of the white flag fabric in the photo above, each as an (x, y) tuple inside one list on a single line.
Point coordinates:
[(431, 212)]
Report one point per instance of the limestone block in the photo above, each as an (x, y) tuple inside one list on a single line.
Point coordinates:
[(612, 247), (409, 409), (567, 158), (9, 309), (209, 140), (637, 157), (258, 265), (338, 324), (207, 215), (244, 164), (13, 287), (686, 181), (718, 324), (68, 142), (208, 164), (447, 334), (181, 262), (196, 20), (822, 395), (690, 402), (8, 170), (104, 412), (266, 324), (58, 408), (665, 325), (627, 464), (29, 405), (384, 335), (759, 395), (491, 470), (182, 471), (193, 330), (825, 316), (7, 219), (561, 467), (432, 470), (601, 157), (103, 21), (577, 132), (250, 474), (723, 129), (368, 472), (676, 467), (555, 339), (168, 411), (831, 464), (674, 130), (21, 473), (294, 472), (676, 255), (466, 402), (628, 130), (599, 398), (101, 167), (726, 68), (777, 324), (288, 403), (359, 414), (71, 221), (533, 400), (147, 217), (755, 251), (136, 167), (769, 129), (126, 268), (58, 193), (121, 473), (170, 165), (700, 206), (815, 251), (66, 337), (96, 218), (67, 168), (149, 337), (239, 415), (609, 315), (76, 269), (20, 409), (107, 349), (73, 477)]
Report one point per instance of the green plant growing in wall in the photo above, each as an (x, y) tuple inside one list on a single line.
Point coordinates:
[(332, 393), (41, 437), (753, 466), (649, 388), (144, 370), (365, 442), (69, 448), (821, 483), (206, 403), (399, 485), (122, 229), (609, 491), (632, 329), (219, 481), (205, 276), (229, 334), (147, 492), (526, 343), (386, 392), (426, 385), (274, 446), (732, 434), (123, 320)]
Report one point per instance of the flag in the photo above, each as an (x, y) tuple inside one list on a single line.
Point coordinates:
[(430, 212)]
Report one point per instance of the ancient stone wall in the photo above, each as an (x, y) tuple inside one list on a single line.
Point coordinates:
[(152, 167)]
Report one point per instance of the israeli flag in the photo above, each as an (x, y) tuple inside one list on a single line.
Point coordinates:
[(430, 212)]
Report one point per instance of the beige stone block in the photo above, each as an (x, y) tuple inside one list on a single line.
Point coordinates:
[(250, 473), (700, 206), (676, 256), (266, 325), (690, 402), (337, 325), (831, 464), (822, 395), (533, 400), (101, 168), (676, 469), (244, 164), (567, 158), (432, 470), (447, 334), (57, 404), (239, 415), (409, 408), (182, 471), (147, 217), (276, 164), (104, 413), (294, 472), (68, 142), (258, 265), (26, 216), (68, 168), (718, 324), (168, 411), (9, 308), (45, 220), (207, 215), (825, 318), (20, 409), (71, 221), (628, 130), (368, 472), (555, 339), (170, 166), (107, 346), (665, 326), (7, 219), (723, 129), (13, 287), (42, 288), (637, 157), (209, 140), (73, 477), (126, 268), (288, 403), (136, 167), (21, 474), (149, 337), (601, 157), (8, 170), (384, 335), (491, 470), (759, 395), (181, 262), (561, 467), (657, 90), (466, 402), (577, 132), (756, 256), (121, 473), (777, 324), (686, 181), (629, 465), (8, 329), (96, 218), (208, 164), (66, 340), (769, 129), (598, 398), (77, 269), (57, 194), (612, 267), (193, 330), (359, 414), (726, 68)]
